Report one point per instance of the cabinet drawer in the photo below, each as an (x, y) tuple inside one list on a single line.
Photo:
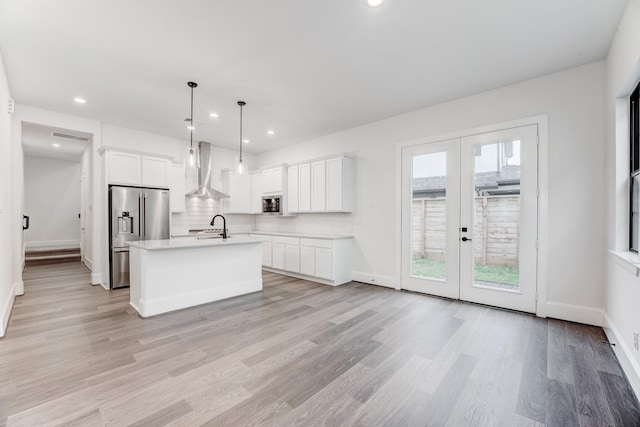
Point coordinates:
[(286, 240), (316, 243)]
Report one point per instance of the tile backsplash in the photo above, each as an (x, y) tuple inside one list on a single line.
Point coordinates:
[(199, 213), (321, 223)]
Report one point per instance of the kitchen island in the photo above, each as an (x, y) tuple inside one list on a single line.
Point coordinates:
[(172, 274)]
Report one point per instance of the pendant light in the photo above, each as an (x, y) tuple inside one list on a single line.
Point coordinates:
[(241, 166), (191, 154)]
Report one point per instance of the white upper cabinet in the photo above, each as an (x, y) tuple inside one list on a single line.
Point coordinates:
[(340, 184), (304, 188), (272, 180), (155, 171), (318, 186), (123, 168), (256, 193), (322, 186), (292, 189), (177, 199), (128, 168)]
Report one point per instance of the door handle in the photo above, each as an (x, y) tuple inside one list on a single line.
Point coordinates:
[(465, 239), (25, 226)]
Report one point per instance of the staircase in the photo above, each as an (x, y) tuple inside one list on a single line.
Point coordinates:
[(51, 256)]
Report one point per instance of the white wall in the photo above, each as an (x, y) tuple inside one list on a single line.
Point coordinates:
[(26, 114), (52, 201), (7, 279), (86, 166), (573, 101), (622, 291), (116, 136)]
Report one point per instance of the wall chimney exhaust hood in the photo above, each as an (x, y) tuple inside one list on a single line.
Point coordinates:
[(204, 189)]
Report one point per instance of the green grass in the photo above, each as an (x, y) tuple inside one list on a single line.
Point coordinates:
[(482, 273)]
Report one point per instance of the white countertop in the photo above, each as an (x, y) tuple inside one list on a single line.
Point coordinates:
[(304, 235), (191, 243)]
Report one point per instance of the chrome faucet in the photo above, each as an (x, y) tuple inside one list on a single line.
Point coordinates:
[(224, 225)]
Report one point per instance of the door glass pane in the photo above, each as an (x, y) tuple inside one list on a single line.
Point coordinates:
[(496, 233), (429, 216)]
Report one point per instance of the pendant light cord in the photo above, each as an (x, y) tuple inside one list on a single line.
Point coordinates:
[(191, 122), (191, 85), (241, 104)]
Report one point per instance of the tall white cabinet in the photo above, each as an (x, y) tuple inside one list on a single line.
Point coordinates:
[(304, 188), (325, 185)]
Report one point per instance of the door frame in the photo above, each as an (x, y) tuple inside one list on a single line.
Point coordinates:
[(542, 121)]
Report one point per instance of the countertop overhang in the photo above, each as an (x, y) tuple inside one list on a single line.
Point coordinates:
[(192, 243)]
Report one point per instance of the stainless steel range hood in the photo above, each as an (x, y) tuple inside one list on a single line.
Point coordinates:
[(204, 189)]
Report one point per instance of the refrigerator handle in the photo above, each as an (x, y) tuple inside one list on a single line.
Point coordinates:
[(140, 223), (145, 215)]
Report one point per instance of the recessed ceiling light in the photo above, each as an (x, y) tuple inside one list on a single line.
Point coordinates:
[(214, 115), (56, 145), (80, 100), (191, 128), (374, 3), (246, 141), (271, 132)]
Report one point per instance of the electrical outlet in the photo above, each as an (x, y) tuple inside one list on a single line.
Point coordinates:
[(635, 339)]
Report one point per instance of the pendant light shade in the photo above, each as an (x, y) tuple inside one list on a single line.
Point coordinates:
[(192, 155), (241, 167)]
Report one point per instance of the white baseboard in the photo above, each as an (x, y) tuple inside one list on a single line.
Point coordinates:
[(303, 277), (19, 288), (575, 313), (152, 307), (96, 279), (88, 263), (624, 354), (375, 279), (6, 309), (52, 244)]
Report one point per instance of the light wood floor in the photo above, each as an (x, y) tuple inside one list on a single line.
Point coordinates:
[(298, 354)]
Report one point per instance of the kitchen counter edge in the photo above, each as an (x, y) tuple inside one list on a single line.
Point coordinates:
[(191, 243)]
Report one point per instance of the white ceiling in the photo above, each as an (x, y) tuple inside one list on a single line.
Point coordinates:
[(37, 141), (305, 68)]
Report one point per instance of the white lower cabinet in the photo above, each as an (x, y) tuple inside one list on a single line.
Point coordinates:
[(323, 263), (278, 256), (266, 254), (308, 260), (321, 260), (292, 258)]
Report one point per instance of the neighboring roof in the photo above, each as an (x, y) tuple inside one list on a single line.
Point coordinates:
[(509, 175)]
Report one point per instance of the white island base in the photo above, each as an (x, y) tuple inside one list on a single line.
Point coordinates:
[(168, 275)]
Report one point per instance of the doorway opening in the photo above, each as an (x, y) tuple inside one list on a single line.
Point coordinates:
[(57, 162), (470, 216)]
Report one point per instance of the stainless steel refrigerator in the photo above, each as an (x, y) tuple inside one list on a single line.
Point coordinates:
[(134, 214)]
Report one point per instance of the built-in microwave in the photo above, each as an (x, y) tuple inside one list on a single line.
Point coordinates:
[(272, 205)]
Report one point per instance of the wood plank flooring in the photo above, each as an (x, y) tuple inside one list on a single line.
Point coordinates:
[(298, 353)]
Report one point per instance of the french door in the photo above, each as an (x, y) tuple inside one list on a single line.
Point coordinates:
[(469, 218)]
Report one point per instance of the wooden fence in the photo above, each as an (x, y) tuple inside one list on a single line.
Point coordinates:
[(496, 236)]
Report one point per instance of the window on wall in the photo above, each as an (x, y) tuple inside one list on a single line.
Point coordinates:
[(634, 168)]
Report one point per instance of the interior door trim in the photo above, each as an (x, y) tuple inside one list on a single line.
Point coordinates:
[(542, 121)]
